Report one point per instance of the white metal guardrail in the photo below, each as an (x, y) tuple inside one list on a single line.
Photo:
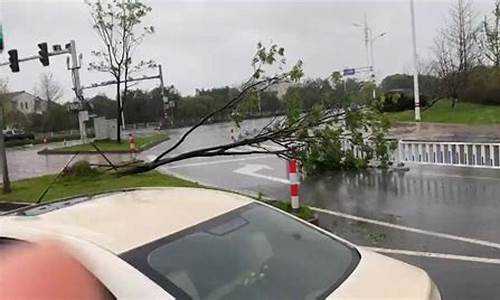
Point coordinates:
[(460, 154)]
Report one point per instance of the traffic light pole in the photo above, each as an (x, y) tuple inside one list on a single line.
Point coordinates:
[(166, 104), (43, 56), (35, 57), (77, 87)]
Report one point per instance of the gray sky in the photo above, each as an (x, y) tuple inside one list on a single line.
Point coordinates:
[(203, 44)]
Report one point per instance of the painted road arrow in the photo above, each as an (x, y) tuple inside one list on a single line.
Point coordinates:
[(252, 169)]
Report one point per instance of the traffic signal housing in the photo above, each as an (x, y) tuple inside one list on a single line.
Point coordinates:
[(44, 54), (13, 60)]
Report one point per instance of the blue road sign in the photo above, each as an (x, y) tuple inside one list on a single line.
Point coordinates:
[(348, 72)]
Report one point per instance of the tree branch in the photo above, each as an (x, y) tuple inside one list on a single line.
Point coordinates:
[(226, 106)]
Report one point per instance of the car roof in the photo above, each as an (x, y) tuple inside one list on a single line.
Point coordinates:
[(125, 220)]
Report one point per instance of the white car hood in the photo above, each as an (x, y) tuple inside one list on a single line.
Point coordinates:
[(381, 277)]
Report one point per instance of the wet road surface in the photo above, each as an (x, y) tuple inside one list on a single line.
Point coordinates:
[(461, 202)]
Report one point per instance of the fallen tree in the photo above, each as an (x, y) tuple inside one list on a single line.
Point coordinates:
[(317, 137)]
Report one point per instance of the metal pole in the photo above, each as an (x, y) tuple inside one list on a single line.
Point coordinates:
[(3, 158), (372, 65), (416, 91), (367, 29), (78, 88), (162, 84)]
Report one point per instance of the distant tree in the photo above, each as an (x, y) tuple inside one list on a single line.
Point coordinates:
[(119, 26), (429, 85), (312, 91), (55, 118), (456, 48), (483, 86), (48, 89), (103, 106), (490, 39)]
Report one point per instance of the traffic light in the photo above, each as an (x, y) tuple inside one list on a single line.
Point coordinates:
[(44, 54), (1, 39), (13, 60)]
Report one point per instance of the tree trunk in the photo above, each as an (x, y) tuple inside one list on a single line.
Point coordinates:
[(3, 158), (118, 112)]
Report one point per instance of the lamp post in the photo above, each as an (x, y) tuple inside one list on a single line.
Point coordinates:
[(369, 39), (416, 92), (372, 39)]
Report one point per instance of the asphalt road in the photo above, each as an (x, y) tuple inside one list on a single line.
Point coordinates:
[(444, 220), (447, 220)]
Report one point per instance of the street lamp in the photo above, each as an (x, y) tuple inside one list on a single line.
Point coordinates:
[(416, 92), (372, 39), (365, 30), (369, 39)]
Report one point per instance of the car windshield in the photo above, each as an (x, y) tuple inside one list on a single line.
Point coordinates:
[(252, 253)]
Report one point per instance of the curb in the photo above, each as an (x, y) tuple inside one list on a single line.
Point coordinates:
[(62, 152)]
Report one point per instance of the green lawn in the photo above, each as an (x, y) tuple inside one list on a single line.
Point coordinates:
[(464, 113), (111, 146), (30, 189)]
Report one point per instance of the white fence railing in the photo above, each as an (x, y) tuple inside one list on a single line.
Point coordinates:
[(460, 154)]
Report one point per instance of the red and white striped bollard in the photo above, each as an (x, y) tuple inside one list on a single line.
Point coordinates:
[(294, 183)]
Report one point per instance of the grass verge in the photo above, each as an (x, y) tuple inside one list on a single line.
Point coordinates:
[(29, 190), (142, 143), (464, 113), (304, 212)]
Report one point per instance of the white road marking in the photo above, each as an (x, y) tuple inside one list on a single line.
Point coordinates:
[(252, 169), (460, 176), (410, 229), (215, 162), (478, 259)]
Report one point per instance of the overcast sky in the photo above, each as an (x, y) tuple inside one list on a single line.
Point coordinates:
[(203, 44)]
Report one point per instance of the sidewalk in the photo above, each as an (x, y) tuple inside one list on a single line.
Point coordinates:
[(446, 132)]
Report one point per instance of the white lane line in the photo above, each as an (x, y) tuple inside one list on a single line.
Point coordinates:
[(208, 163), (436, 255), (410, 229), (460, 176)]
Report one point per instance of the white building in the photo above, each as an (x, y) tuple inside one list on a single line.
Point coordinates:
[(27, 103)]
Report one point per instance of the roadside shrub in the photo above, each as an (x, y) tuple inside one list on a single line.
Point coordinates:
[(304, 212), (400, 102), (81, 168), (483, 86)]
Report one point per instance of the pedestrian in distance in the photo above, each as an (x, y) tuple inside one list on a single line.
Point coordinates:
[(132, 146)]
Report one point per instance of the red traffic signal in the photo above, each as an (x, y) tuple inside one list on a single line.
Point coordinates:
[(44, 54), (13, 60)]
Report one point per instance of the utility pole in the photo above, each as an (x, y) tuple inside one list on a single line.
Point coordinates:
[(167, 104), (3, 157), (77, 87), (372, 65), (416, 92), (367, 32), (369, 39)]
